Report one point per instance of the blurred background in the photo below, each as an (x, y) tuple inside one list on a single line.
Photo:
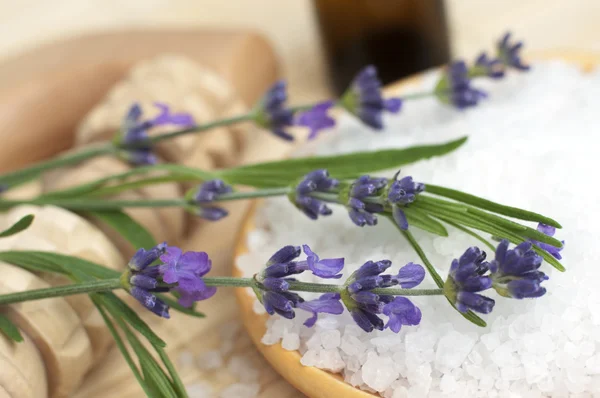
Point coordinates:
[(293, 26)]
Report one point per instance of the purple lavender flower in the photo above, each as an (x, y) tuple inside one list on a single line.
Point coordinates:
[(455, 87), (177, 271), (515, 273), (365, 306), (466, 278), (281, 264), (208, 192), (401, 193), (186, 270), (134, 139), (364, 200), (401, 311), (509, 54), (272, 113), (275, 280), (364, 99), (328, 303), (143, 258), (315, 181), (490, 67), (316, 119), (141, 279), (550, 231)]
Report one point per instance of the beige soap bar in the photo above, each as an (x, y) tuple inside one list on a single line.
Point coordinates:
[(58, 230), (53, 326), (23, 374)]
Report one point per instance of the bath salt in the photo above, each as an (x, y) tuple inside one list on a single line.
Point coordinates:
[(532, 144)]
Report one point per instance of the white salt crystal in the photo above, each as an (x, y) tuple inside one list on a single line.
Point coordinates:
[(290, 341), (351, 345), (209, 360), (537, 342), (330, 339), (331, 360), (491, 340), (241, 390), (310, 358), (400, 392), (592, 365), (511, 373), (378, 372), (452, 350), (448, 383), (199, 390)]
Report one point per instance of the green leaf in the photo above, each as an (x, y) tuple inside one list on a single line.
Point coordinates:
[(494, 230), (127, 227), (118, 307), (19, 226), (472, 233), (154, 375), (282, 173), (37, 261), (178, 307), (120, 182), (489, 205), (10, 329), (420, 219), (98, 302), (177, 383)]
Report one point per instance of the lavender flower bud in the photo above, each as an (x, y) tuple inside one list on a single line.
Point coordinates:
[(509, 54), (455, 88), (465, 279), (550, 231), (365, 198), (134, 140), (364, 99), (365, 306), (316, 119), (272, 113), (313, 182), (207, 193), (515, 273)]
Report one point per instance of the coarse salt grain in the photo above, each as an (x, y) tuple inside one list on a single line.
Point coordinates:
[(530, 143)]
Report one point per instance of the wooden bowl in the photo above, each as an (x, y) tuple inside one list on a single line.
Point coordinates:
[(314, 382)]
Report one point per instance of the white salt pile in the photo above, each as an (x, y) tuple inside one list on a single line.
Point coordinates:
[(532, 144), (230, 375)]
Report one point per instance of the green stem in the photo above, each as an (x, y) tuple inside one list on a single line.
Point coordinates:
[(259, 193), (228, 281), (101, 204), (425, 94), (17, 177), (327, 197), (203, 127), (96, 204), (315, 287), (61, 291)]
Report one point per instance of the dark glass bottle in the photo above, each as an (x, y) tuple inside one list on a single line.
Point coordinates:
[(399, 37)]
